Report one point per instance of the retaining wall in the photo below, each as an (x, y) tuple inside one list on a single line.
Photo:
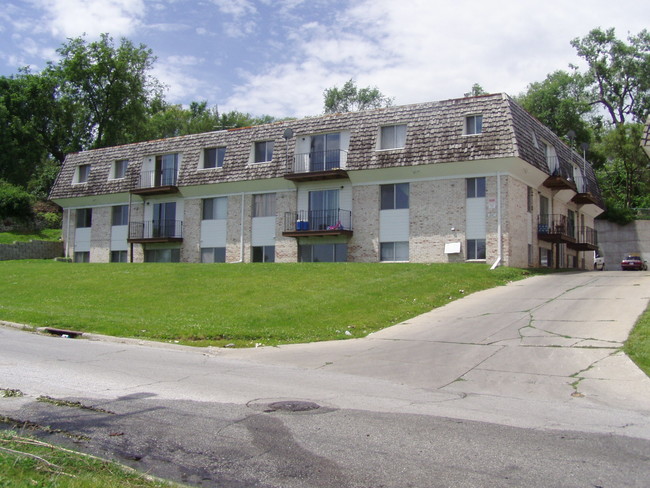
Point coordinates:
[(617, 241), (31, 250)]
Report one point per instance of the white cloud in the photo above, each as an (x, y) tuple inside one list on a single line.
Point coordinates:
[(72, 18), (175, 73), (420, 50), (237, 8)]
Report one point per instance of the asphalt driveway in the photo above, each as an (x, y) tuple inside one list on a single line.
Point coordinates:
[(533, 349)]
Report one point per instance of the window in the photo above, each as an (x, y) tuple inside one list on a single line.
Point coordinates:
[(475, 187), (394, 196), (529, 203), (166, 170), (394, 251), (263, 151), (264, 254), (82, 257), (473, 124), (213, 157), (323, 253), (162, 256), (120, 215), (119, 169), (545, 257), (215, 208), (325, 152), (213, 254), (84, 217), (475, 249), (118, 256), (393, 137), (552, 160), (82, 174), (264, 205)]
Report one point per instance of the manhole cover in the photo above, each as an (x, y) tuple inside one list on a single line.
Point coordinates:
[(292, 406), (288, 406)]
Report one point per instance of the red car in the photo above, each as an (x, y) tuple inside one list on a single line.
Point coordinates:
[(634, 262)]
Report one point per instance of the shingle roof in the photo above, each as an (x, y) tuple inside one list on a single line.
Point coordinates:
[(434, 135)]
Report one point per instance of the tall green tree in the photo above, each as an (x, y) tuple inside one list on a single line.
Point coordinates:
[(350, 98), (175, 120), (111, 84), (561, 103), (625, 177), (618, 73)]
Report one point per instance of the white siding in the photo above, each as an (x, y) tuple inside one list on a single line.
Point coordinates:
[(394, 225), (213, 233), (476, 217), (263, 231), (118, 237), (82, 239)]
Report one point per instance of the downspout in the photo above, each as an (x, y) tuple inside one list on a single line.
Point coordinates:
[(241, 231), (67, 235), (499, 237), (128, 230)]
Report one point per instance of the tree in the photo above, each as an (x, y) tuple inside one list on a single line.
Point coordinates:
[(618, 74), (475, 91), (110, 84), (625, 177), (561, 103), (174, 120), (349, 98)]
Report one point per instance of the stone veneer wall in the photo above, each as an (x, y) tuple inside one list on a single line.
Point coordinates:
[(286, 248), (436, 207), (31, 250), (363, 246), (137, 215), (190, 249), (100, 235)]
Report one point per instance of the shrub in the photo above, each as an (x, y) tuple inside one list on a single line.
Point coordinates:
[(15, 203)]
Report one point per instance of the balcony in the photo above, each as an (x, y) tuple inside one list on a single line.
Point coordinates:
[(587, 240), (583, 197), (558, 180), (156, 231), (317, 165), (555, 228), (157, 182), (335, 222)]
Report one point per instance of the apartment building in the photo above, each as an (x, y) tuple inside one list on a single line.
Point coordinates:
[(473, 179)]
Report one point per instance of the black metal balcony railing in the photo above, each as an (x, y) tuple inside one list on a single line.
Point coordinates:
[(317, 161), (156, 229), (555, 225), (155, 179), (318, 220), (587, 235)]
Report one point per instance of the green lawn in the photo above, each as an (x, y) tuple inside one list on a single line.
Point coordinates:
[(43, 235), (637, 345), (26, 462), (240, 304)]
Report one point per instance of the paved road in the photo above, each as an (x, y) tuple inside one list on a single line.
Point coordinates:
[(523, 385)]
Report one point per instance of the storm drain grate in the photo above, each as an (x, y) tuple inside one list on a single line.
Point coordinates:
[(292, 406)]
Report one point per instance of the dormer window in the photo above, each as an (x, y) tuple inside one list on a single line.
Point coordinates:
[(393, 137), (263, 152), (473, 124), (118, 171), (213, 157), (82, 173), (551, 158)]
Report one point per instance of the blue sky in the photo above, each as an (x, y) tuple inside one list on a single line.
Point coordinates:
[(277, 57)]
